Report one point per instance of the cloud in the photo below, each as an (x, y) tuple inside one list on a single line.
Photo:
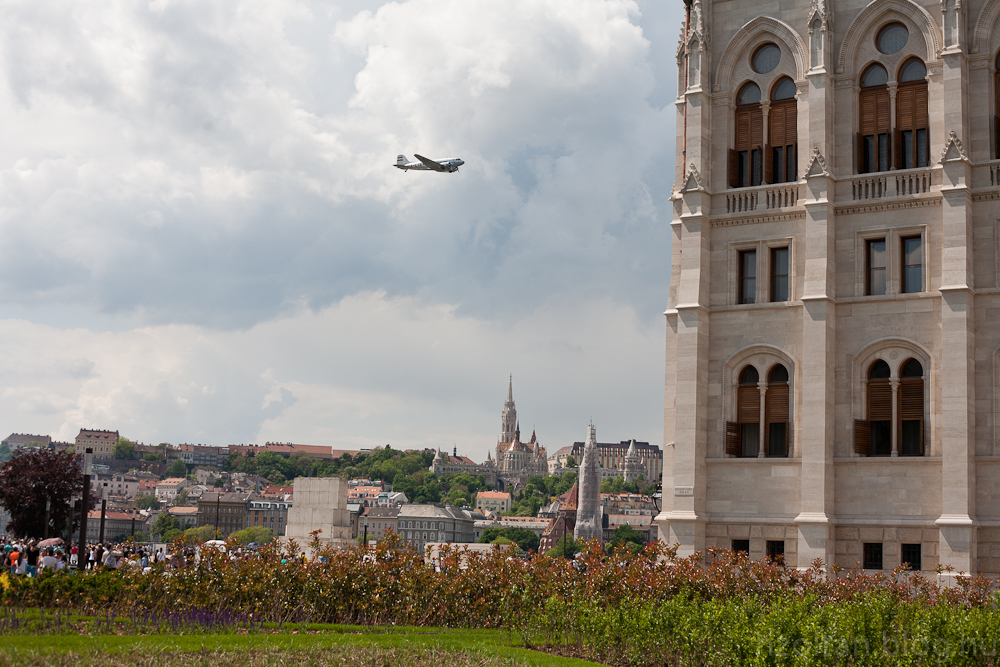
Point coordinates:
[(186, 179), (366, 371)]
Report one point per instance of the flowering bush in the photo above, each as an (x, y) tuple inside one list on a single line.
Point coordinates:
[(622, 608)]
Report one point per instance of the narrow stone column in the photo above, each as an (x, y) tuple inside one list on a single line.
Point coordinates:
[(894, 383), (957, 523), (816, 377), (684, 523), (762, 426)]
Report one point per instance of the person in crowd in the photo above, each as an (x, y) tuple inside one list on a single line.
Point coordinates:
[(99, 557), (73, 553), (48, 560), (12, 558), (32, 558), (110, 560), (22, 565)]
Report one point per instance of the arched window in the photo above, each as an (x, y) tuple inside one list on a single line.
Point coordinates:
[(895, 412), (873, 137), (782, 135), (911, 142), (776, 411), (746, 159), (911, 409), (743, 435), (876, 432)]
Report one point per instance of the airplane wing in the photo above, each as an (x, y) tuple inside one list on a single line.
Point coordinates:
[(430, 164)]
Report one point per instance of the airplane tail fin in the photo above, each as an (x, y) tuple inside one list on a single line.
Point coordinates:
[(401, 160)]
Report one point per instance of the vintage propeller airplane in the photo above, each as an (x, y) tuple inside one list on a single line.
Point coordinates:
[(447, 165)]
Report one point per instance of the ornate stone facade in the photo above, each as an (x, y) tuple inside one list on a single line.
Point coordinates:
[(516, 461), (833, 354)]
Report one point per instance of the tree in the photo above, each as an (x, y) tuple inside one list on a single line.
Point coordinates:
[(146, 501), (170, 535), (201, 534), (627, 535), (124, 449), (181, 497), (570, 461), (571, 548), (165, 522), (32, 477), (524, 538), (218, 483), (5, 452), (177, 469), (258, 534), (618, 485)]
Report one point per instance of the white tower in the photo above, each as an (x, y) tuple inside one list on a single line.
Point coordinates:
[(633, 464), (508, 418), (589, 514)]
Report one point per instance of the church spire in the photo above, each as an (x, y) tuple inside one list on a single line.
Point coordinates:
[(508, 418)]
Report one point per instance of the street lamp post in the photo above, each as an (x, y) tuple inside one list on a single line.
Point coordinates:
[(565, 530), (48, 506), (133, 525), (84, 505), (218, 502), (104, 507)]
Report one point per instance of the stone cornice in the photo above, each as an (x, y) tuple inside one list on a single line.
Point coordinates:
[(887, 206), (764, 217)]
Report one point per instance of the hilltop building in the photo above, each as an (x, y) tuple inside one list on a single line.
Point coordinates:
[(102, 442), (515, 461), (832, 343)]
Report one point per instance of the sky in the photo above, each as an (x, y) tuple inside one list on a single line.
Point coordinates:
[(204, 239)]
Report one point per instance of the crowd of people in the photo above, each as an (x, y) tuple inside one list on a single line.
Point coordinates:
[(30, 557)]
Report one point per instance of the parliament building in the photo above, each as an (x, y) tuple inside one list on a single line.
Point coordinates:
[(833, 326)]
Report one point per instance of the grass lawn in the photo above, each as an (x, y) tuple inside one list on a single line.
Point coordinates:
[(327, 644)]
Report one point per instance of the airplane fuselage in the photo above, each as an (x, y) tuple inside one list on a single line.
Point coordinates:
[(447, 165)]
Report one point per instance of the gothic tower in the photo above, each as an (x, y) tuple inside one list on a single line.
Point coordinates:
[(508, 418)]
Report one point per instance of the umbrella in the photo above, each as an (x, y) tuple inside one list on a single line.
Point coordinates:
[(51, 542)]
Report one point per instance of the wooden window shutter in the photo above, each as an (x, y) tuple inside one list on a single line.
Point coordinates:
[(911, 399), (776, 126), (862, 437), (757, 128), (749, 405), (868, 115), (791, 124), (734, 169), (879, 401), (742, 130), (734, 441), (776, 403), (905, 108), (920, 106), (882, 120)]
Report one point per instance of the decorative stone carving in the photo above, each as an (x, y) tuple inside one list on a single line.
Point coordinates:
[(953, 149), (817, 164), (820, 22), (692, 181)]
